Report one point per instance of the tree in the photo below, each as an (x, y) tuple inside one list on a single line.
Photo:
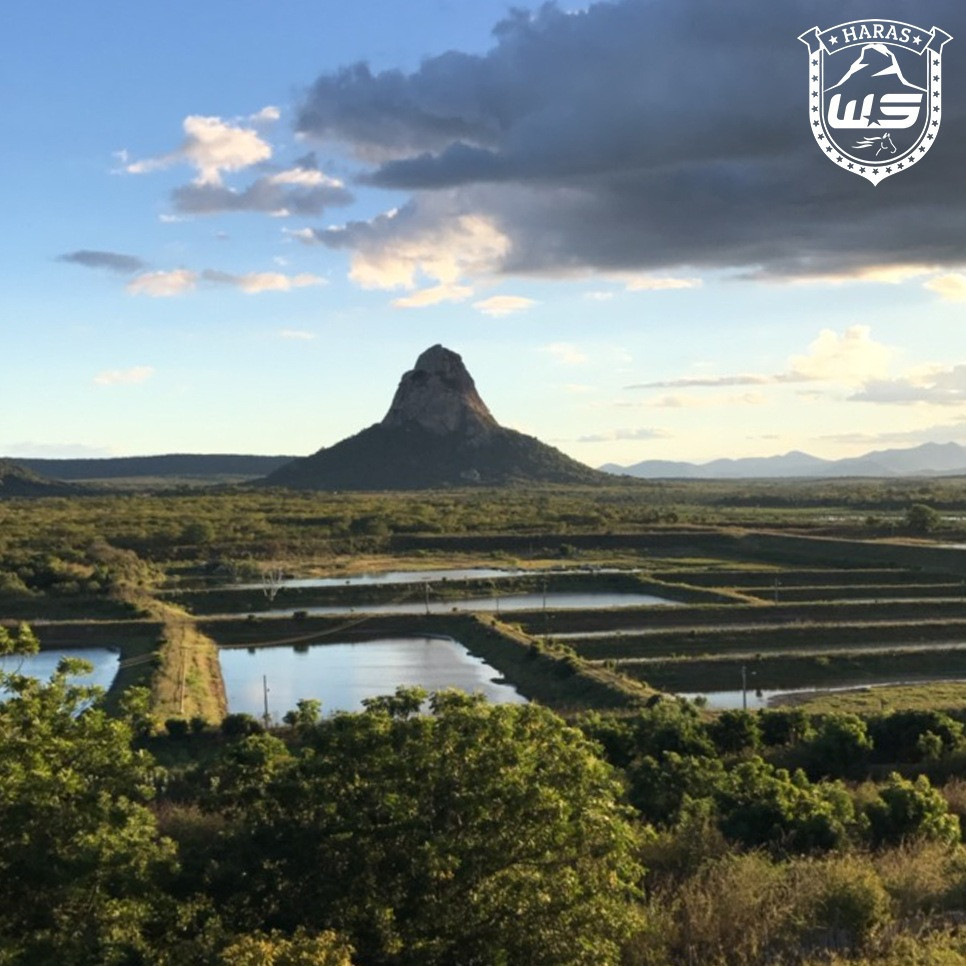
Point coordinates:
[(761, 805), (734, 732), (79, 851), (841, 745), (476, 834), (306, 713), (922, 518), (907, 810)]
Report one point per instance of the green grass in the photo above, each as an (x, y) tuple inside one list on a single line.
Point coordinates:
[(799, 671), (942, 696)]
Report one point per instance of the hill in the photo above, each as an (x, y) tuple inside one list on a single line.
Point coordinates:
[(196, 467), (437, 432), (17, 480)]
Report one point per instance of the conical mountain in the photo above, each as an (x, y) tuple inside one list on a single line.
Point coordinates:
[(437, 432)]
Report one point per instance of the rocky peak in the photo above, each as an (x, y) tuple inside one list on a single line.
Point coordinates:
[(439, 394)]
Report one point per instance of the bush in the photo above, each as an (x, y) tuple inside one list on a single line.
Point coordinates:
[(240, 725), (909, 810), (845, 900), (176, 727)]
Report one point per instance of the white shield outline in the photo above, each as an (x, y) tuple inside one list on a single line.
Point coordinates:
[(933, 42)]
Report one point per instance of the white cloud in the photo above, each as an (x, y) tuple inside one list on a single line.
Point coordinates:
[(566, 353), (951, 287), (433, 295), (613, 435), (403, 248), (706, 382), (500, 305), (304, 235), (599, 296), (298, 335), (212, 146), (305, 178), (678, 401), (124, 377), (869, 274), (935, 385), (650, 283), (163, 284), (266, 115), (851, 358), (253, 283)]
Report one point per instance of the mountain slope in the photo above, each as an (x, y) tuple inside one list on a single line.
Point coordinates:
[(437, 432), (17, 480)]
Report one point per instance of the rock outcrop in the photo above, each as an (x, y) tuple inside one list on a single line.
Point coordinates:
[(437, 432)]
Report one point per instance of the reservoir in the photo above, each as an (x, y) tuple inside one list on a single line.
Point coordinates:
[(341, 675), (494, 604)]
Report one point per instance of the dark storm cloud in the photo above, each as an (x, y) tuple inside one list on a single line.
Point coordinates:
[(112, 261), (653, 133)]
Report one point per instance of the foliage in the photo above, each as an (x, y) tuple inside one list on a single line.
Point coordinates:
[(477, 834), (841, 745), (276, 949), (905, 809), (240, 724), (80, 857), (922, 518)]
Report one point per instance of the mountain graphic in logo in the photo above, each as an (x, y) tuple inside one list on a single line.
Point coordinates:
[(877, 61)]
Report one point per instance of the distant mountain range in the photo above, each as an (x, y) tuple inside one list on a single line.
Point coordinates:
[(190, 466), (929, 459)]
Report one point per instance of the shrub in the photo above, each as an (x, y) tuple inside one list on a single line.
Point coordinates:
[(240, 725), (177, 727), (907, 810)]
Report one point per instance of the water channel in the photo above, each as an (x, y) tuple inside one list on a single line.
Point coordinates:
[(425, 576), (494, 604), (341, 675)]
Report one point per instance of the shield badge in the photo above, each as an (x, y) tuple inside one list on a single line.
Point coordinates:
[(875, 94)]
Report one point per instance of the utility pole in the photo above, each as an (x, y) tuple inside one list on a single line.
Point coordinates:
[(267, 716), (744, 688), (426, 593)]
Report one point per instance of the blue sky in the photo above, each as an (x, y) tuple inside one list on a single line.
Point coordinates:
[(234, 225)]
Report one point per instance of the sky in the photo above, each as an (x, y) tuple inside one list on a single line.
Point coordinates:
[(232, 226)]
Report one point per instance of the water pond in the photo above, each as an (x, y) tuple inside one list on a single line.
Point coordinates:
[(493, 604), (43, 664), (757, 699), (341, 675), (421, 577)]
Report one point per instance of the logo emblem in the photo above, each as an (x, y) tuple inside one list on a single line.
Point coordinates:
[(874, 94)]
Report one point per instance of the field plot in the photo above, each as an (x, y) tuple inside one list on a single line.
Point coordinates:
[(785, 628)]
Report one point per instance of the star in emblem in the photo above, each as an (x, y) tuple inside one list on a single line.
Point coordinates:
[(833, 40), (917, 40)]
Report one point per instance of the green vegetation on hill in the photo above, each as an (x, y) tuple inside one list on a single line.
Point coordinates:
[(413, 458)]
